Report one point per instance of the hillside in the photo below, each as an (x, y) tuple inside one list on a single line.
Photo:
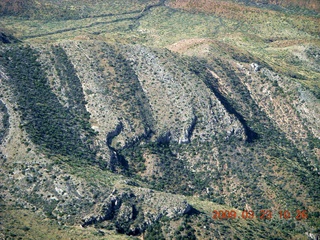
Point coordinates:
[(310, 4), (138, 119)]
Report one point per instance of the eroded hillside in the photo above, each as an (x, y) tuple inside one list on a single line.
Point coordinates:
[(176, 124), (140, 121)]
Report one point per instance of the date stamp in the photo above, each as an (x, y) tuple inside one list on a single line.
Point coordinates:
[(264, 214)]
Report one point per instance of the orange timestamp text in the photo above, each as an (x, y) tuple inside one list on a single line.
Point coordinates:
[(264, 214)]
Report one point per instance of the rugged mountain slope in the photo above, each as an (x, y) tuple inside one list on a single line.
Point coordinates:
[(103, 127), (179, 124)]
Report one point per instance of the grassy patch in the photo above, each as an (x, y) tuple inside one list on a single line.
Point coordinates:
[(26, 224)]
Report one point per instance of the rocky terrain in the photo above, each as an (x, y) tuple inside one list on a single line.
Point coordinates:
[(123, 134)]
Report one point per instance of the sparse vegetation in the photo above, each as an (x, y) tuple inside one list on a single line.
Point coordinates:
[(101, 126)]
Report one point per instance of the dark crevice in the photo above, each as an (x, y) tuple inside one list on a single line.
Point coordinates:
[(250, 134), (111, 135), (210, 82), (116, 158), (192, 127), (7, 38), (190, 130), (200, 68), (137, 106), (5, 121)]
